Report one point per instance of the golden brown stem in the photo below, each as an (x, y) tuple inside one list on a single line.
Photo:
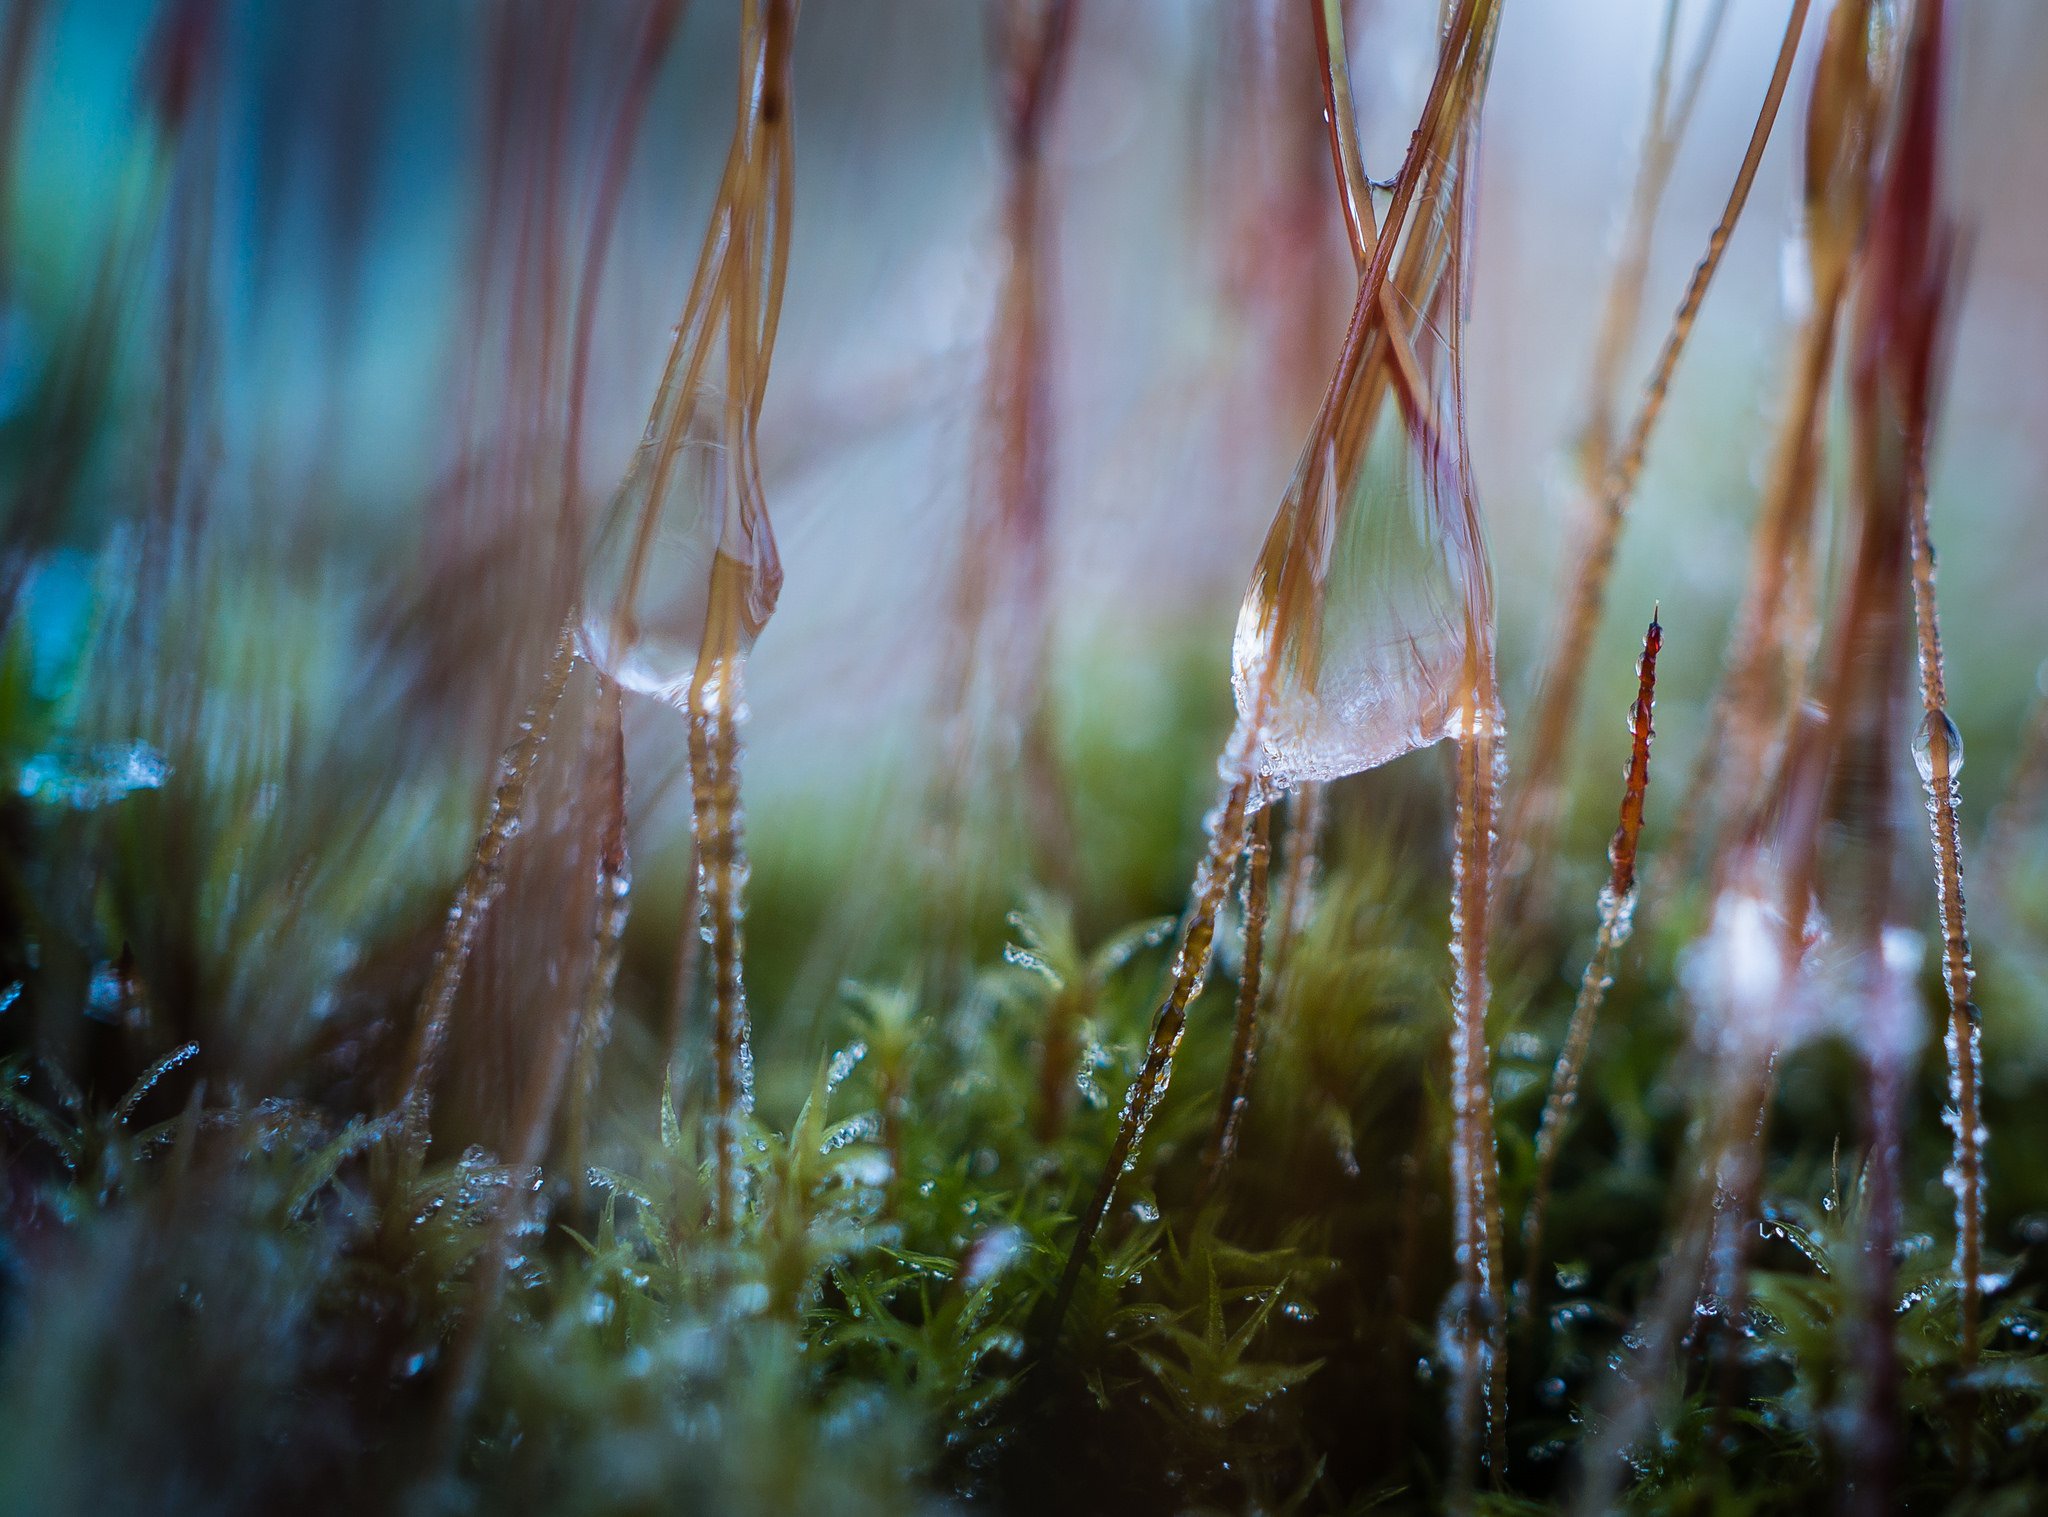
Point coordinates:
[(1753, 706), (568, 1058), (1536, 813), (1481, 1370), (1355, 194), (475, 897), (1621, 314), (657, 28), (1236, 1092), (715, 706), (1940, 761), (1617, 910), (614, 891), (1190, 970)]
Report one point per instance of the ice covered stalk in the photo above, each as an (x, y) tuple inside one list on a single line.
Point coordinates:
[(1617, 916), (1743, 983), (1237, 1075), (1451, 690), (685, 572), (1564, 670), (565, 1068), (1226, 829), (1329, 685), (479, 891), (614, 891), (715, 708), (1480, 1366), (1902, 325), (1938, 753)]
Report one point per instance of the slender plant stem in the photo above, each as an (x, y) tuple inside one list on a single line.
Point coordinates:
[(657, 28), (1940, 762), (1750, 709), (1000, 601), (1480, 1386), (715, 704), (475, 897), (1190, 970), (1617, 913), (1236, 1092), (568, 1059), (1565, 669), (1621, 312), (614, 898), (1445, 118)]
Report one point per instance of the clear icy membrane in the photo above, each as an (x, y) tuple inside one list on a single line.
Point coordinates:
[(1368, 658), (647, 586)]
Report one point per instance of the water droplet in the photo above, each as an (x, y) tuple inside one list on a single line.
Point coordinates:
[(1923, 746), (670, 532)]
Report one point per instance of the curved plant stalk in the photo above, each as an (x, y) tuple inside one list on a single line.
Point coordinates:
[(1939, 753), (1284, 599), (474, 898), (1903, 325), (1769, 645), (1564, 670), (1480, 1371), (1000, 607), (1226, 829), (656, 619), (1355, 193), (1236, 1092), (715, 709), (1354, 189), (1481, 736), (657, 29), (1753, 957), (1617, 917), (569, 1062), (1621, 312)]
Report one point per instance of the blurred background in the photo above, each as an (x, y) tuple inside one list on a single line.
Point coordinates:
[(288, 295)]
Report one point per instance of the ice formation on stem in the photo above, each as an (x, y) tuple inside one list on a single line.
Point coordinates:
[(685, 573)]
